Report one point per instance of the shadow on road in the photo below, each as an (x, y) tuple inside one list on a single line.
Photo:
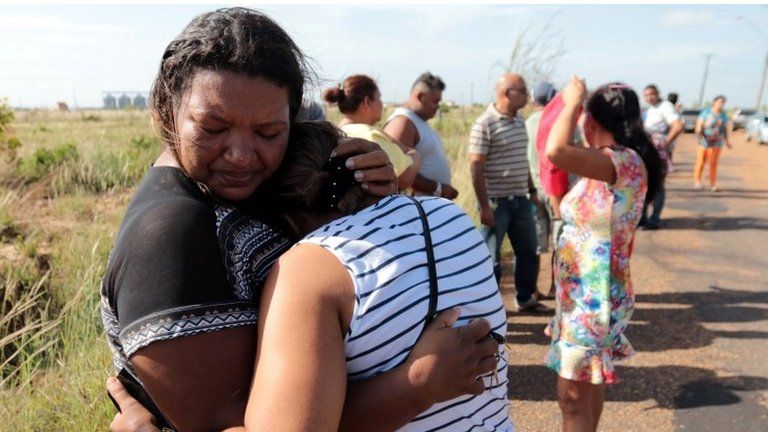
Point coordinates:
[(677, 323), (715, 223), (672, 387)]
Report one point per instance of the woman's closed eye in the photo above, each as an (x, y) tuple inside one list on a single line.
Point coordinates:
[(210, 130), (270, 133)]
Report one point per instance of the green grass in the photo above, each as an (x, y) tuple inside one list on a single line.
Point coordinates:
[(61, 203)]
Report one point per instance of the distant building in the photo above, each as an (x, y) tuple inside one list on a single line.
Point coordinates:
[(139, 101), (124, 101), (110, 102)]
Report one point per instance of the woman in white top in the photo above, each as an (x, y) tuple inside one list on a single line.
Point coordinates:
[(359, 101), (356, 294)]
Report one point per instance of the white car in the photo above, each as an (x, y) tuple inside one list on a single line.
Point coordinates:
[(757, 128)]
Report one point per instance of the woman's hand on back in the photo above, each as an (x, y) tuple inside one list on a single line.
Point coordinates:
[(371, 165), (133, 417), (446, 361)]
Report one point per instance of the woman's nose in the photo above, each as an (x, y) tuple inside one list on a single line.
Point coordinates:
[(241, 150)]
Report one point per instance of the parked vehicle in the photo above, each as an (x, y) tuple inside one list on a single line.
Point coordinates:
[(689, 119), (757, 128), (741, 117)]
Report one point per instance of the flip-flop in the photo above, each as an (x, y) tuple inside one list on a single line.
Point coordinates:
[(536, 308), (541, 296)]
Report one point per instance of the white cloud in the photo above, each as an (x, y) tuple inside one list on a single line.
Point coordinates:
[(681, 18)]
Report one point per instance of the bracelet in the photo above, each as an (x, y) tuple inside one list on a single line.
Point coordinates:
[(438, 190)]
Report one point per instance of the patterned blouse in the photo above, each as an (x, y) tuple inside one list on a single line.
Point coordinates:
[(594, 291)]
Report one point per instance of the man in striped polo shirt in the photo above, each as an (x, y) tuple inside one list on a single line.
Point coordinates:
[(502, 181)]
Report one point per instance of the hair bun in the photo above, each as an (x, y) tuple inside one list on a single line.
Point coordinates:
[(333, 95)]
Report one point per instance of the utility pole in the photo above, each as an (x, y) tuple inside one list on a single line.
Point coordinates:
[(762, 83), (704, 80), (765, 64)]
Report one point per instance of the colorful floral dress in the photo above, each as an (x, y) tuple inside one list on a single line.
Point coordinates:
[(594, 292)]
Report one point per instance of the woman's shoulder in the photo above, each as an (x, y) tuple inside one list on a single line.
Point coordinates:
[(629, 166)]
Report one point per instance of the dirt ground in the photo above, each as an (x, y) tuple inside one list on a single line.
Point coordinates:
[(701, 322)]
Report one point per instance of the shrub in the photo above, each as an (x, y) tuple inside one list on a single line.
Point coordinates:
[(43, 160), (9, 144)]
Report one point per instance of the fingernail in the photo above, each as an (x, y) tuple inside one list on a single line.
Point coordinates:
[(350, 164), (364, 186), (333, 153), (111, 381), (358, 175)]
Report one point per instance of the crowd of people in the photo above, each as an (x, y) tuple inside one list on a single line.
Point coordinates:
[(274, 271)]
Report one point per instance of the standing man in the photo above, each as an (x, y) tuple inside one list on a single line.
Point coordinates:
[(502, 182), (408, 125), (547, 215), (662, 123)]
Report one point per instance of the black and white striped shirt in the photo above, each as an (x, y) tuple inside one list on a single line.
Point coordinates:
[(504, 142), (383, 249)]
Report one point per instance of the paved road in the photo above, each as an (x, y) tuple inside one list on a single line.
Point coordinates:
[(701, 323)]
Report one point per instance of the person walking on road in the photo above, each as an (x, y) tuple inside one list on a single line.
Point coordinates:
[(712, 129), (663, 124), (502, 182), (618, 169)]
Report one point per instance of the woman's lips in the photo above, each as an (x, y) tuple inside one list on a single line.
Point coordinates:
[(238, 178)]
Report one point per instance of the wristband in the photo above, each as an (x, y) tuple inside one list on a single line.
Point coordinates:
[(438, 190)]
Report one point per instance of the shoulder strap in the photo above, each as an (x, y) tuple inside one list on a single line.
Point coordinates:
[(430, 262)]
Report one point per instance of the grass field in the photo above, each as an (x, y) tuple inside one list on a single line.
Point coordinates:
[(61, 201)]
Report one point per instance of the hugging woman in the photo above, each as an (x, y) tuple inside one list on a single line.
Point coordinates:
[(181, 291)]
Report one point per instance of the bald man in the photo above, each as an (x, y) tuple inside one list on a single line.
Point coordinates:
[(504, 188)]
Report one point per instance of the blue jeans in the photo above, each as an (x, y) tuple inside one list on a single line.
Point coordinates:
[(514, 217), (658, 205)]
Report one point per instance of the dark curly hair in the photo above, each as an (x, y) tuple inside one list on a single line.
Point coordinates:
[(616, 108), (303, 179), (238, 40)]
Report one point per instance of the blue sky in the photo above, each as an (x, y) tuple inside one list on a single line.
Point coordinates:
[(57, 53)]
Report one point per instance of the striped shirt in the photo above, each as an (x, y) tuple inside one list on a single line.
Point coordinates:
[(383, 249), (503, 141)]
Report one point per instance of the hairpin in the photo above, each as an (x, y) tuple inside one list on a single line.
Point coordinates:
[(619, 86), (339, 181)]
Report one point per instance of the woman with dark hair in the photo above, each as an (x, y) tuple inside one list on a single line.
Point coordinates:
[(619, 170), (712, 129), (181, 290), (360, 281), (359, 100)]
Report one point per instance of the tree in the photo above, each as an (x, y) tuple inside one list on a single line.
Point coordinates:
[(535, 55)]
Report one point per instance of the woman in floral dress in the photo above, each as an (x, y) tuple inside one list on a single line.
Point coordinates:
[(620, 169)]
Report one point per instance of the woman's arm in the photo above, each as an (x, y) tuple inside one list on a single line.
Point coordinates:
[(300, 374), (585, 162), (405, 180)]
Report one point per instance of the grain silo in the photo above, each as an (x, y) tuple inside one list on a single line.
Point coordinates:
[(124, 101), (110, 102), (139, 101)]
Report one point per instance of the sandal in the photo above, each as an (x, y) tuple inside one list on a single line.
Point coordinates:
[(541, 296), (535, 308)]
